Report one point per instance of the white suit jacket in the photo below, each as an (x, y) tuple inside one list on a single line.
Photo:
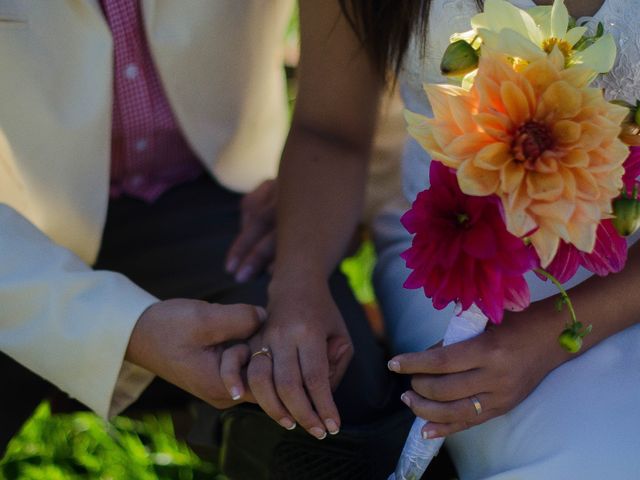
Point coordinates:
[(220, 62)]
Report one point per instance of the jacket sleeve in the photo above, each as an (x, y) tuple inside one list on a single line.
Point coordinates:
[(66, 322)]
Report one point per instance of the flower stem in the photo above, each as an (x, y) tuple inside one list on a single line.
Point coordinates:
[(563, 294)]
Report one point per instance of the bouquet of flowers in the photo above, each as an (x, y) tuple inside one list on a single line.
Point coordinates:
[(533, 170)]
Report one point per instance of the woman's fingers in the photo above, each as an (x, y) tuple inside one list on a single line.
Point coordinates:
[(232, 361), (439, 360), (260, 380), (465, 412), (291, 390), (441, 430), (314, 364), (446, 388)]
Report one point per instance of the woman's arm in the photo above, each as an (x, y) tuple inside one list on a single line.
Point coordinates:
[(503, 365), (321, 185)]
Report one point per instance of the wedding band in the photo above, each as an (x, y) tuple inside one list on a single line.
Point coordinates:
[(263, 351), (476, 404)]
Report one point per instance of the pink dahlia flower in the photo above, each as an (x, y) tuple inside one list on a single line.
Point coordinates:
[(462, 251), (609, 255), (631, 169)]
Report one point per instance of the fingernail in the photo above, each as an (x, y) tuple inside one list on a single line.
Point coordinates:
[(332, 426), (262, 314), (236, 393), (287, 423), (319, 433), (342, 350), (232, 264), (406, 399), (244, 274), (429, 434), (393, 365)]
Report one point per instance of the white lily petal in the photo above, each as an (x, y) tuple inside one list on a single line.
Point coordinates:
[(574, 35), (481, 20), (559, 19), (500, 14), (517, 46), (600, 56), (542, 16)]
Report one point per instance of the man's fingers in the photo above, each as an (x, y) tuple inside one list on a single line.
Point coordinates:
[(233, 360), (260, 380), (288, 380), (315, 375), (258, 217), (222, 323), (454, 358), (256, 260), (248, 237), (264, 194)]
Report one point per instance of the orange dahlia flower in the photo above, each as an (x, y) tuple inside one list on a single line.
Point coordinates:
[(541, 139)]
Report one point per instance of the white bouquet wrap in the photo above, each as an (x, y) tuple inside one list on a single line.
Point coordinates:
[(418, 452)]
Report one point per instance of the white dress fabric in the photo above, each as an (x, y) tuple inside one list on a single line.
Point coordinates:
[(583, 420)]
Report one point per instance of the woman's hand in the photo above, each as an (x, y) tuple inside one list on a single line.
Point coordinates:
[(253, 249), (310, 351), (499, 368)]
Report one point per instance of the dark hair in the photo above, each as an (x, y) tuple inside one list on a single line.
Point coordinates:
[(385, 28)]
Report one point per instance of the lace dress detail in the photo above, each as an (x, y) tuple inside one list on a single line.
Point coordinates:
[(621, 18)]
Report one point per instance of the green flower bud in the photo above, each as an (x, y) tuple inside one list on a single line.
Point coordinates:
[(570, 341), (637, 114), (459, 59), (627, 215)]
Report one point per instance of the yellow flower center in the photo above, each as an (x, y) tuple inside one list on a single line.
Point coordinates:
[(519, 64), (530, 141), (564, 46)]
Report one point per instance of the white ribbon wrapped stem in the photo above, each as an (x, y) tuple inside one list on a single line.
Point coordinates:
[(417, 452)]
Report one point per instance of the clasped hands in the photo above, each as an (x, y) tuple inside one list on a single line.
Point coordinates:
[(208, 350), (216, 353)]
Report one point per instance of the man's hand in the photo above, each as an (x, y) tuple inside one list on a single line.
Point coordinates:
[(254, 248), (311, 349), (183, 341)]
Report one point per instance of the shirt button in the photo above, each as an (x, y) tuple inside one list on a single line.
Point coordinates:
[(131, 71), (141, 144)]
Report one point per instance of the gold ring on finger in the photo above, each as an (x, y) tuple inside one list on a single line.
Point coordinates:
[(476, 404), (263, 351)]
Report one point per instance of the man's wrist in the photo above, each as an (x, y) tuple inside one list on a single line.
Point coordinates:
[(135, 352)]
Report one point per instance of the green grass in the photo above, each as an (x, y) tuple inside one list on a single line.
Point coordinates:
[(82, 446)]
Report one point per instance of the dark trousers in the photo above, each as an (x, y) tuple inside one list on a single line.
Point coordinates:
[(176, 247)]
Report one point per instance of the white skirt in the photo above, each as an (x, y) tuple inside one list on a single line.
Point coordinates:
[(581, 422)]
